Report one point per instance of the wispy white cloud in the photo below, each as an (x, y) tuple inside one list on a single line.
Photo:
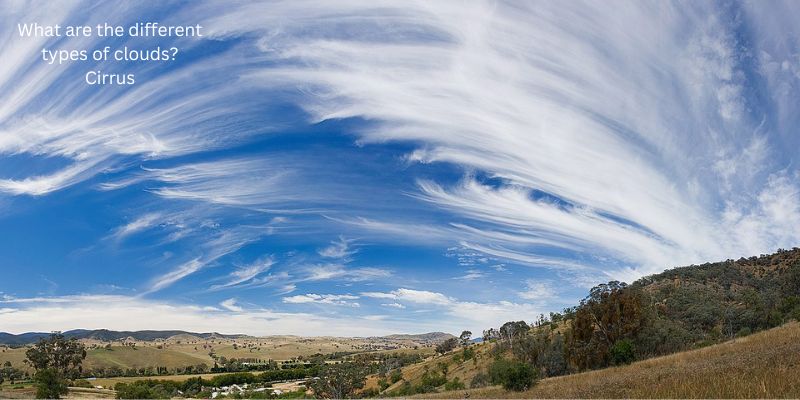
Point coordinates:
[(137, 225), (471, 275), (333, 299), (470, 314), (337, 271), (230, 305), (538, 291), (224, 243), (593, 121), (621, 141), (246, 273), (412, 295), (338, 249)]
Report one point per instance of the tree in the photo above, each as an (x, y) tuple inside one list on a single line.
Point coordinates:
[(55, 359), (465, 337), (49, 384), (340, 381), (10, 373), (512, 330), (490, 334), (447, 345), (610, 313)]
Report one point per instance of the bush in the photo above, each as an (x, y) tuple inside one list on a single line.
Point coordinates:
[(396, 376), (479, 380), (371, 392), (468, 353), (513, 375), (455, 384), (82, 383), (622, 352), (430, 381), (147, 389), (405, 390), (743, 332)]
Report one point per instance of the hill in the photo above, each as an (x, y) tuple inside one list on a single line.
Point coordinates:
[(126, 357), (680, 309), (430, 338), (762, 365), (105, 335)]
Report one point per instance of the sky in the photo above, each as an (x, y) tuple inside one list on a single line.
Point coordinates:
[(361, 168)]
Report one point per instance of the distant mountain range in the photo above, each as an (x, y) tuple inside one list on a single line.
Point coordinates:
[(106, 335), (148, 335)]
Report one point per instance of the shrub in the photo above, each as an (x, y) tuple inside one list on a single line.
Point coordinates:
[(396, 376), (406, 389), (479, 380), (82, 383), (743, 332), (455, 384), (513, 375), (468, 353), (430, 381), (622, 352)]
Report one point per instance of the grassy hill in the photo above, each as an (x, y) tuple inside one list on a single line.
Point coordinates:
[(762, 365), (677, 310), (126, 357)]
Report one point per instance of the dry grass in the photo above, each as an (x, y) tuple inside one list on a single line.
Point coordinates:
[(763, 365), (140, 357), (16, 356), (29, 391)]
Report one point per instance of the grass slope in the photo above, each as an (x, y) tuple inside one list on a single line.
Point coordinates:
[(456, 368), (762, 365), (126, 357)]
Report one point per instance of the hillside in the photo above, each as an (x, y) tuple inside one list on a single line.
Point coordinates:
[(725, 297), (453, 362), (105, 335), (677, 310), (431, 337), (125, 357), (762, 365)]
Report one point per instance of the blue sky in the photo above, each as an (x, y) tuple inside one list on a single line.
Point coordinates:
[(360, 167)]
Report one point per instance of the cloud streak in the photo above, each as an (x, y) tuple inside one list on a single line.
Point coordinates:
[(591, 140)]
